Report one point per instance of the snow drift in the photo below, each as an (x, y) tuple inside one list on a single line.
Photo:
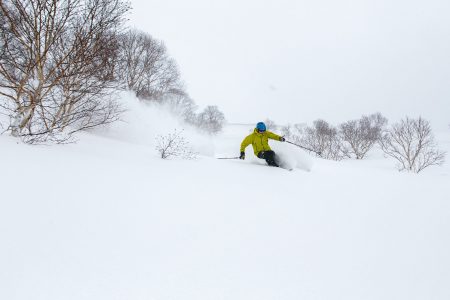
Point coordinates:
[(142, 122)]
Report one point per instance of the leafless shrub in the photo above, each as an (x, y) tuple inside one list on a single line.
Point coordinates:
[(211, 120), (56, 65), (270, 125), (411, 143), (293, 132), (145, 67), (361, 135), (323, 138), (174, 145)]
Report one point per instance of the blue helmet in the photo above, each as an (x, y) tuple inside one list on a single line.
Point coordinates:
[(261, 127)]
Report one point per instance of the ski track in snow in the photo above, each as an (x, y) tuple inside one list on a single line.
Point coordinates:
[(105, 218)]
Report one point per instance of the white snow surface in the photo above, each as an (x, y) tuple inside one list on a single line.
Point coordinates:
[(106, 218)]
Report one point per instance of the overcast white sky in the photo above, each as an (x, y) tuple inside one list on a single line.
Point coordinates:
[(296, 61)]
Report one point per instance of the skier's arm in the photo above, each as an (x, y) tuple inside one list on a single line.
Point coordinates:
[(273, 136), (247, 141)]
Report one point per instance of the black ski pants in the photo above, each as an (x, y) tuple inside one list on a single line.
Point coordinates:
[(269, 156)]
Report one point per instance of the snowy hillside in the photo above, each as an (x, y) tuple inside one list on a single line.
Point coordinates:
[(106, 218)]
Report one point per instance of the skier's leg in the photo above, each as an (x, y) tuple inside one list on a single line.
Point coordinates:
[(263, 155), (269, 156)]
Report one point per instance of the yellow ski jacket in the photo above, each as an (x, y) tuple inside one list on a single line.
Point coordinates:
[(259, 141)]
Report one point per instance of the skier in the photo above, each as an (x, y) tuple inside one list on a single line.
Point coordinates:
[(259, 140)]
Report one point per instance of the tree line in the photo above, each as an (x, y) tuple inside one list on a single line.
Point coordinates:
[(63, 62), (410, 141)]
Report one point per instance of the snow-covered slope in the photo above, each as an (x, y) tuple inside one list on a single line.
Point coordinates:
[(105, 218)]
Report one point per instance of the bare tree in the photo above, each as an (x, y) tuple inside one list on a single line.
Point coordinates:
[(211, 120), (361, 135), (323, 138), (56, 67), (411, 143), (180, 104), (145, 67), (174, 145)]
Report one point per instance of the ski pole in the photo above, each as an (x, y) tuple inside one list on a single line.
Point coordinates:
[(237, 157), (311, 150)]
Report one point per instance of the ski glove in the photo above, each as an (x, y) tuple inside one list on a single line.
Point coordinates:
[(242, 155), (282, 139)]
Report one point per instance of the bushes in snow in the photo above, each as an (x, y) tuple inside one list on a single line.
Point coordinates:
[(324, 138), (350, 139), (174, 145), (359, 136), (293, 132), (411, 143)]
